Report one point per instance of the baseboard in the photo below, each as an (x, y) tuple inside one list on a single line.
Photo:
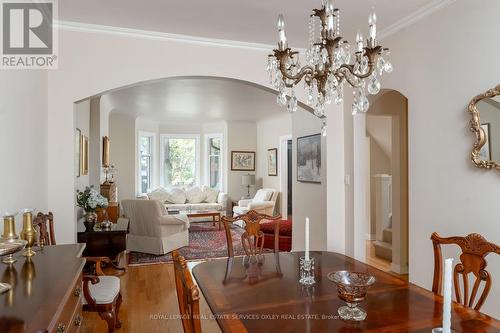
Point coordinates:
[(398, 269), (371, 237)]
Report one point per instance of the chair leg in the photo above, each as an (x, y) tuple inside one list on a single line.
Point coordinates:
[(110, 319), (118, 323)]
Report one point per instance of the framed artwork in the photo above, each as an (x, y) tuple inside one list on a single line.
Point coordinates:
[(272, 162), (485, 152), (105, 151), (242, 161), (309, 159), (84, 155), (77, 143)]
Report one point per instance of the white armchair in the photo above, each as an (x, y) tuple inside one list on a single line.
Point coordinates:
[(152, 229), (263, 202)]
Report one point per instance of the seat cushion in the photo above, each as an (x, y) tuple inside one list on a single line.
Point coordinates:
[(105, 291), (285, 228), (285, 235), (195, 195)]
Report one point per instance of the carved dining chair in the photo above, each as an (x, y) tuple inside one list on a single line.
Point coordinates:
[(253, 238), (472, 260), (44, 224), (102, 294), (188, 295)]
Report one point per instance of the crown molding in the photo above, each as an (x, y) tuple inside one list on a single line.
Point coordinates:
[(414, 17), (146, 34), (399, 25)]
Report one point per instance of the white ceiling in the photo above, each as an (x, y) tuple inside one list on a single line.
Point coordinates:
[(247, 21), (195, 99)]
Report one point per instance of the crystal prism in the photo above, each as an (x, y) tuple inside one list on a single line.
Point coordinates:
[(374, 85)]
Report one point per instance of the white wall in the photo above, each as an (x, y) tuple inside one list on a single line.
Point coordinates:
[(23, 141), (269, 131), (241, 136), (309, 199), (440, 64), (122, 154)]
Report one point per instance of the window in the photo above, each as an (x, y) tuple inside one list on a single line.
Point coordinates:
[(180, 160), (146, 148), (214, 160)]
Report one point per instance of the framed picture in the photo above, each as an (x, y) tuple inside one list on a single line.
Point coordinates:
[(105, 151), (84, 155), (77, 143), (309, 159), (485, 152), (272, 162), (243, 161)]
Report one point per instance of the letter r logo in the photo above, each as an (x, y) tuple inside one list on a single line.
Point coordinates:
[(27, 27)]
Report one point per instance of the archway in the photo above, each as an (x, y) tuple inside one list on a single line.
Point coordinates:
[(381, 183)]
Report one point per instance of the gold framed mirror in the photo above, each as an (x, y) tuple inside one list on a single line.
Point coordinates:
[(485, 123)]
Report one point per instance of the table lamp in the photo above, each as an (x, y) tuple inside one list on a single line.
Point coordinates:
[(248, 180)]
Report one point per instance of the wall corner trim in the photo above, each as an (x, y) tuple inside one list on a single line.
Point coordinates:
[(414, 17)]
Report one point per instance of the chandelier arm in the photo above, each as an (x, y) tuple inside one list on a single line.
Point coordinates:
[(297, 77), (351, 82), (350, 68)]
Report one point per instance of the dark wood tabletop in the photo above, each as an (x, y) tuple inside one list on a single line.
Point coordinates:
[(41, 287), (267, 297)]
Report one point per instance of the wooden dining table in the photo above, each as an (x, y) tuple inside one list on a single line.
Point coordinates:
[(264, 295)]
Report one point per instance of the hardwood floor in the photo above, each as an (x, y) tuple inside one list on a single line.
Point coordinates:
[(149, 304)]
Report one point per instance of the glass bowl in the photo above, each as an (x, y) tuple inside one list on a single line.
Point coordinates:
[(352, 288)]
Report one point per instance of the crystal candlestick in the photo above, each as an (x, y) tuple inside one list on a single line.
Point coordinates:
[(306, 271)]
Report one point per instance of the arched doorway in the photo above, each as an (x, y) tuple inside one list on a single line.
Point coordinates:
[(381, 183)]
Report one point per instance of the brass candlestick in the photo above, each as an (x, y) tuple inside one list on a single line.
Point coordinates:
[(28, 233), (9, 227)]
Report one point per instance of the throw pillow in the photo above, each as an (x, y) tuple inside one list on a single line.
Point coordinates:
[(262, 195), (176, 196), (159, 194), (195, 195), (211, 194)]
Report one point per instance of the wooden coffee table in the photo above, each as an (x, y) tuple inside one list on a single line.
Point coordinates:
[(215, 215)]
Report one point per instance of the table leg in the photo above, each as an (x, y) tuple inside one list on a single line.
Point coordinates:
[(218, 217), (213, 220)]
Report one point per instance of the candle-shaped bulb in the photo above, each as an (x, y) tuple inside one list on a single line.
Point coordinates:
[(372, 21), (282, 44), (372, 18), (359, 41), (329, 7), (281, 22), (330, 25)]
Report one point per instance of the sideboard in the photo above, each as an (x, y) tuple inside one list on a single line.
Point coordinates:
[(46, 294)]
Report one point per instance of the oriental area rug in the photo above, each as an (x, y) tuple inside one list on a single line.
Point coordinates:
[(205, 242)]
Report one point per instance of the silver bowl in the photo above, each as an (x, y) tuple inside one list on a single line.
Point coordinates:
[(352, 288), (10, 246)]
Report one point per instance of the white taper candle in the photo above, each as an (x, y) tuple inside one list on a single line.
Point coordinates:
[(307, 239), (448, 263)]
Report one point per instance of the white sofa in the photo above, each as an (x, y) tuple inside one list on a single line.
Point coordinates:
[(264, 202), (195, 198), (152, 230)]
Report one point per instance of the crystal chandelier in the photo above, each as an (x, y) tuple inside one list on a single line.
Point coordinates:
[(328, 64)]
